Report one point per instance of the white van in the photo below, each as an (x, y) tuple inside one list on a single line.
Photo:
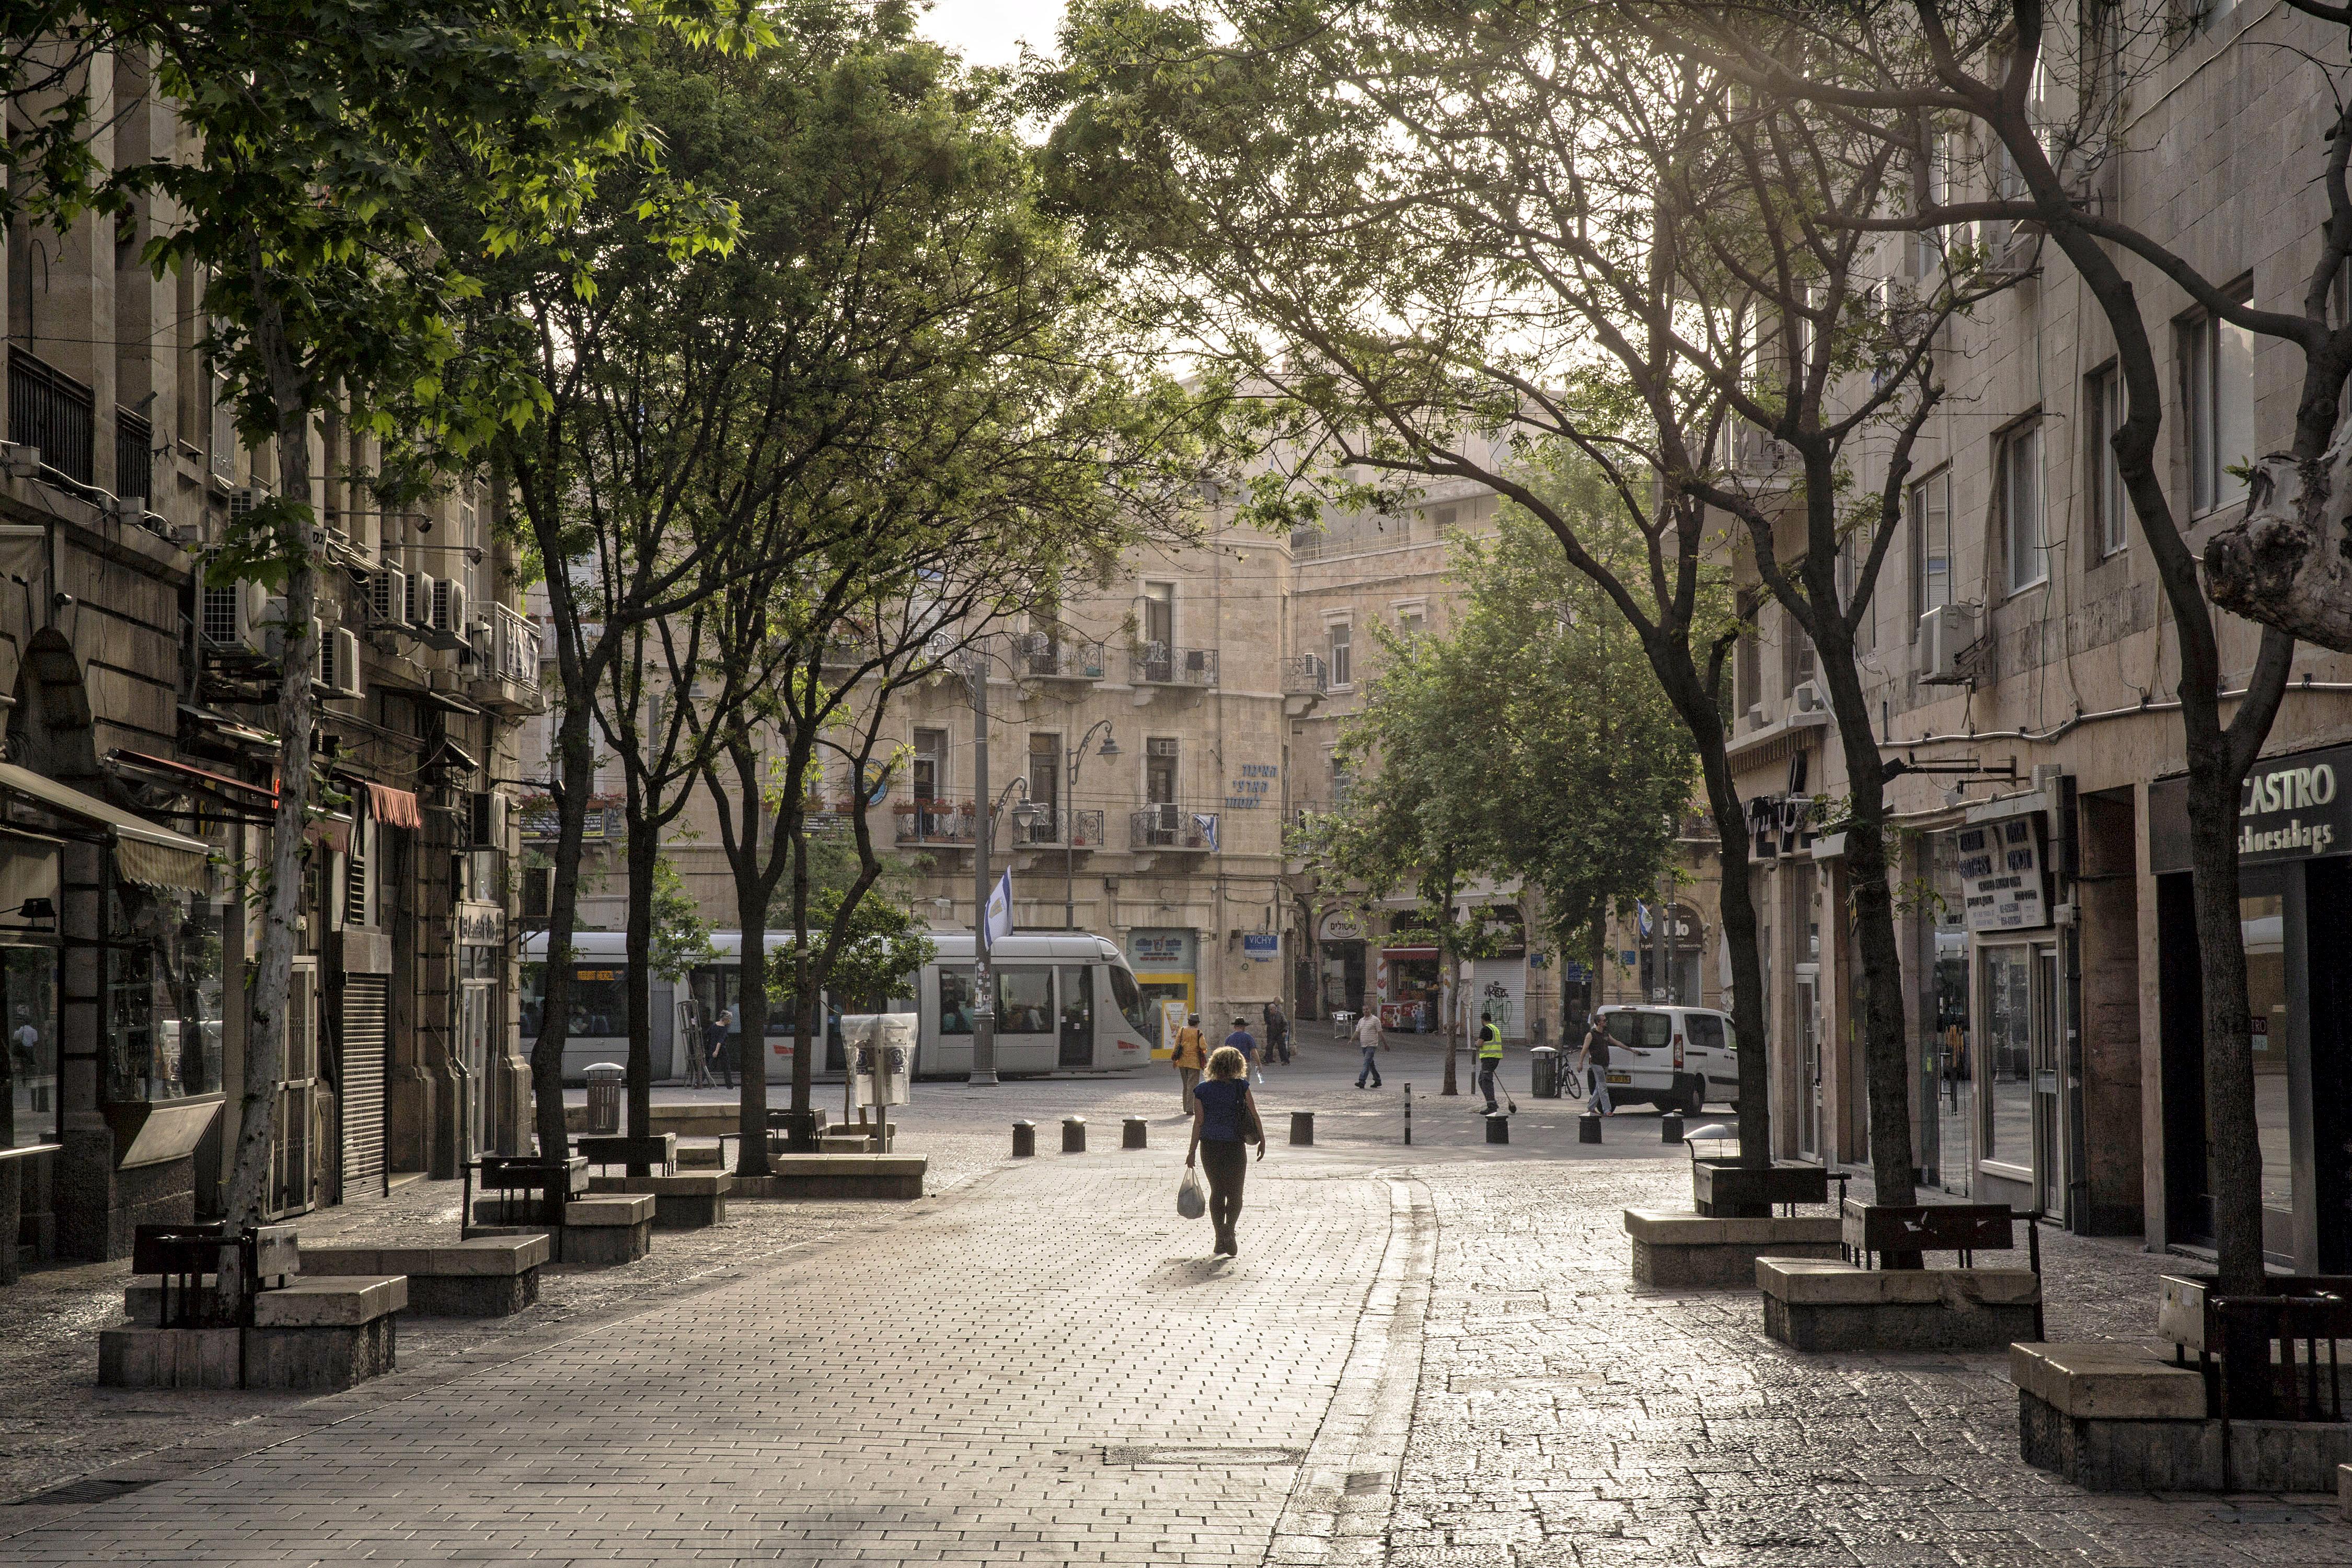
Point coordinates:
[(1676, 1058)]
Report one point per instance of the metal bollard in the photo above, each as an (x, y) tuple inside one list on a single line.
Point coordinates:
[(1133, 1131), (1588, 1126), (1408, 1113), (1073, 1134), (1498, 1130), (1670, 1127), (1302, 1127), (1024, 1140)]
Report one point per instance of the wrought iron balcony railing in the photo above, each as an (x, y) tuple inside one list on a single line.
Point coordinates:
[(1159, 664), (1041, 656), (1172, 825), (1306, 675), (51, 410)]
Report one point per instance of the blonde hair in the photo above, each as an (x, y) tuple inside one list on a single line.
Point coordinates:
[(1226, 1062)]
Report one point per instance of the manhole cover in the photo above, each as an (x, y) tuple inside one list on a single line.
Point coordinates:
[(1198, 1455)]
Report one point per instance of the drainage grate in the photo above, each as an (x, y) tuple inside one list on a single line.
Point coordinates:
[(1198, 1455), (88, 1489), (1362, 1481)]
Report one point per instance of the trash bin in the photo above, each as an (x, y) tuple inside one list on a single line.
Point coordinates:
[(605, 1097), (1546, 1069)]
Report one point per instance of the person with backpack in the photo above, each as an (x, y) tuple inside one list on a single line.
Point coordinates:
[(1490, 1057), (1190, 1055), (1594, 1064)]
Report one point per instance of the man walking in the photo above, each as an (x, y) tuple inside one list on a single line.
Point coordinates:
[(1277, 1032), (1370, 1039), (1594, 1064), (1242, 1041), (1191, 1054), (722, 1047), (1490, 1057)]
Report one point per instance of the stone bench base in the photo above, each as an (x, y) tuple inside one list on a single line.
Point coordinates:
[(680, 1203), (1691, 1251), (2118, 1416), (837, 1176), (314, 1335), (1819, 1305), (484, 1277), (604, 1232)]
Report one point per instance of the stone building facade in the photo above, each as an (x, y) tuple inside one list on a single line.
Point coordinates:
[(141, 770), (2020, 627)]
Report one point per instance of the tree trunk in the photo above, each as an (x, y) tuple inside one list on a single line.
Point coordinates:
[(644, 853), (1449, 979), (806, 997), (576, 760), (1742, 939), (281, 896)]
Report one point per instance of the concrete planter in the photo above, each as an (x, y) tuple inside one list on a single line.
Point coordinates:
[(1693, 1252), (313, 1335), (2112, 1416), (807, 1176), (680, 1203), (1819, 1305), (1724, 1189), (485, 1277), (606, 1232)]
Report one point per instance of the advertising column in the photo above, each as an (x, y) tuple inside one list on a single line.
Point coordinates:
[(1166, 963)]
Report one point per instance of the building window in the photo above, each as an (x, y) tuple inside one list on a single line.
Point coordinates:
[(1444, 516), (1796, 653), (1409, 624), (2102, 402), (1160, 769), (1160, 616), (2019, 471), (931, 765), (2217, 400), (1343, 665), (1930, 505)]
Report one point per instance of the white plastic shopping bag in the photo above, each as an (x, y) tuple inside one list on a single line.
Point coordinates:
[(1191, 1203)]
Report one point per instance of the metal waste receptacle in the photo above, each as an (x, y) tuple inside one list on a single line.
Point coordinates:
[(1545, 1067), (604, 1096)]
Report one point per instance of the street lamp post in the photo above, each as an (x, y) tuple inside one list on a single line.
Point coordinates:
[(984, 1007), (1071, 757)]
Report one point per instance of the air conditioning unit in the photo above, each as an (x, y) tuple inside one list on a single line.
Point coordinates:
[(419, 613), (341, 656), (448, 623), (1945, 633), (277, 638), (127, 508), (234, 616), (487, 820), (1805, 697), (388, 596)]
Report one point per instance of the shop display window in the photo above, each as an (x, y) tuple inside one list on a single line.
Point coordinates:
[(2263, 921), (162, 1012), (28, 992)]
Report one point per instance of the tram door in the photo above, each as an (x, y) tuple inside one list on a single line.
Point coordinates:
[(1077, 1020)]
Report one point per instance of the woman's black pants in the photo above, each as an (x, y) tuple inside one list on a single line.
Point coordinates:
[(1226, 1164)]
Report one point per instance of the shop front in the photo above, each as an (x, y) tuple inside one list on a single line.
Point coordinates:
[(2295, 865), (1412, 990), (1166, 961), (1342, 943), (2004, 1080)]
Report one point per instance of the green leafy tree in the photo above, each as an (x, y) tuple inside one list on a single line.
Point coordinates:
[(681, 937)]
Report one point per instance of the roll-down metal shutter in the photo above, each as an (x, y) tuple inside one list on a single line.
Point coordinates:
[(366, 1004)]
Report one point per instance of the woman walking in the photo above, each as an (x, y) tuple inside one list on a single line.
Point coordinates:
[(1224, 1123)]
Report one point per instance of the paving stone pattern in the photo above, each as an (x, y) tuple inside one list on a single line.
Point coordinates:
[(1431, 1356)]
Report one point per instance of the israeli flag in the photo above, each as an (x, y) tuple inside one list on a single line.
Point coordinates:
[(1643, 910), (1207, 823), (1000, 907)]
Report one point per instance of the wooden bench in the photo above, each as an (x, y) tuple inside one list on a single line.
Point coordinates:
[(659, 1150), (481, 1277)]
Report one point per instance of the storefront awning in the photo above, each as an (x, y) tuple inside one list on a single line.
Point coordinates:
[(250, 797), (144, 853), (394, 807)]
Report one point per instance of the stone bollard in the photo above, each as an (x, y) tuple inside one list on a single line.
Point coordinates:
[(1588, 1126), (1073, 1134), (1670, 1127), (1133, 1131), (1302, 1127), (1498, 1130), (1024, 1140)]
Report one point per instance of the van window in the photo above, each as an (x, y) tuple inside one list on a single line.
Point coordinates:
[(1703, 1031), (1645, 1030)]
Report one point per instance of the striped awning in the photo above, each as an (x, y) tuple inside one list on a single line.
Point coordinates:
[(144, 853)]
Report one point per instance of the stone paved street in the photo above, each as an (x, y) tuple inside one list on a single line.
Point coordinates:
[(1429, 1355)]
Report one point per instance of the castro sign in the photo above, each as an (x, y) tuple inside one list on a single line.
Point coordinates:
[(2290, 811)]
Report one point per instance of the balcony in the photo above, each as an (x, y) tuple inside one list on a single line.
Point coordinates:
[(1059, 827), (838, 657), (1041, 656), (1305, 675), (503, 672), (51, 410), (936, 824), (1157, 664), (1173, 825), (135, 458)]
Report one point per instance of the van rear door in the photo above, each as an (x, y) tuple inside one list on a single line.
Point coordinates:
[(1709, 1041), (1642, 1053)]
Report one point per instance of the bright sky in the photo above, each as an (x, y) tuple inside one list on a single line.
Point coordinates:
[(990, 32)]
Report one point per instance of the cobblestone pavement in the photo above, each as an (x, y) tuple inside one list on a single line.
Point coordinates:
[(1426, 1355)]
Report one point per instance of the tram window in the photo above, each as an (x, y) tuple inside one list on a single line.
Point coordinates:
[(1129, 997), (955, 1000), (1024, 1000), (599, 1003)]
